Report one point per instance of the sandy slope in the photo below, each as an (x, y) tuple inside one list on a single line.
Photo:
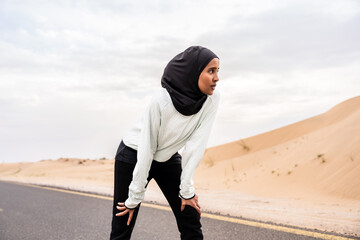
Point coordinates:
[(305, 174), (324, 160), (312, 166)]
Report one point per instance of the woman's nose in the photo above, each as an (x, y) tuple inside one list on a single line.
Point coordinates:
[(216, 78)]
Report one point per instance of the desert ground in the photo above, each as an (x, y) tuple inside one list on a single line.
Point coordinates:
[(306, 174)]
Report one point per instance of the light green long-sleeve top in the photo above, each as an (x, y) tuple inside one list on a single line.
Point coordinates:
[(161, 132)]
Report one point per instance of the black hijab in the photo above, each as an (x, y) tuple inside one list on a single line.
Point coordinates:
[(181, 76)]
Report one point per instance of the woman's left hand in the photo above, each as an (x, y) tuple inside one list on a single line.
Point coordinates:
[(193, 202)]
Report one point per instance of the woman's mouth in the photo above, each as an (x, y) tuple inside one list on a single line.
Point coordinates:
[(213, 87)]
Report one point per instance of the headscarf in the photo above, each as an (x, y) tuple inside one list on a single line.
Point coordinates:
[(181, 76)]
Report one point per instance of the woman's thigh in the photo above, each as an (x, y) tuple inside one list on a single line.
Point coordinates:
[(122, 179), (167, 177)]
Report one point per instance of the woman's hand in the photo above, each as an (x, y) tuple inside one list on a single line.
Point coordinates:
[(125, 210), (191, 202)]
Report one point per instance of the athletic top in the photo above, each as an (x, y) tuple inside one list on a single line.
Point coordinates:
[(161, 132)]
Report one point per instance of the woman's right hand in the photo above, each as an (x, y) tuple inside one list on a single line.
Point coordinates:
[(121, 206)]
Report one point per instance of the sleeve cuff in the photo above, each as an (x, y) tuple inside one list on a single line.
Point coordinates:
[(130, 207), (187, 198)]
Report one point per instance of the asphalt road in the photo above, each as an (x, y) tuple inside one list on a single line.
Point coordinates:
[(28, 212)]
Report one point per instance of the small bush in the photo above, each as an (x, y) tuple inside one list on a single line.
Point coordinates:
[(209, 162), (322, 157), (243, 144)]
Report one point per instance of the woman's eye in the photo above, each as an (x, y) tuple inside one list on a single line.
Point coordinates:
[(211, 71)]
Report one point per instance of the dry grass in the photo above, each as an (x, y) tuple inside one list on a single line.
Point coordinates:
[(244, 145)]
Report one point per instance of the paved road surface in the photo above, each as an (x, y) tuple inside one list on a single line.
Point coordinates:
[(28, 212)]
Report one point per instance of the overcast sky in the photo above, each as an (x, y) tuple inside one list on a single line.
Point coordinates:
[(75, 75)]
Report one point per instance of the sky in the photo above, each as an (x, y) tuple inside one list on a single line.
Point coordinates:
[(75, 75)]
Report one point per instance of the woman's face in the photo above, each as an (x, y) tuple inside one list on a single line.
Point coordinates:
[(209, 77)]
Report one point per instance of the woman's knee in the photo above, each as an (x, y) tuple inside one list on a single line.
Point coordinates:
[(189, 223)]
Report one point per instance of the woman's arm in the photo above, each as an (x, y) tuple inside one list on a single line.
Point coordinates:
[(194, 150), (146, 149), (145, 152)]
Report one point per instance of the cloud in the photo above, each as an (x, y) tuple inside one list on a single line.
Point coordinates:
[(75, 75), (300, 36)]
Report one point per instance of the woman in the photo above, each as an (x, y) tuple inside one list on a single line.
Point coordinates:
[(180, 115)]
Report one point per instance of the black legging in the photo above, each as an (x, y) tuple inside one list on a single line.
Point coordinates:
[(167, 175)]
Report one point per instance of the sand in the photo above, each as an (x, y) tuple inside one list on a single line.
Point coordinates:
[(306, 174)]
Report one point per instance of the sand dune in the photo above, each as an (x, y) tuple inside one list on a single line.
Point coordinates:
[(284, 134), (73, 173), (319, 155), (305, 174)]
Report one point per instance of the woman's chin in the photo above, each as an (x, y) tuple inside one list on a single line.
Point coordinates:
[(208, 92)]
